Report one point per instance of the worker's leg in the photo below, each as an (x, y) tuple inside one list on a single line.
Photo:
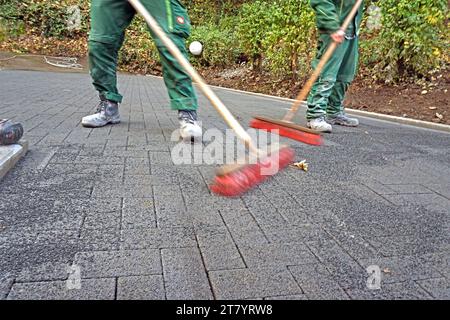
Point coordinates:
[(322, 88), (346, 75), (109, 19), (174, 20)]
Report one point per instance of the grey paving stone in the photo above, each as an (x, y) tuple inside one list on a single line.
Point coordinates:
[(347, 272), (170, 208), (103, 213), (393, 291), (432, 202), (100, 239), (140, 288), (298, 297), (44, 272), (439, 288), (123, 190), (387, 201), (317, 282), (277, 255), (409, 245), (441, 189), (400, 269), (6, 282), (219, 250), (184, 275), (408, 189), (103, 264), (299, 233), (254, 282), (157, 238), (91, 289), (138, 213), (69, 168), (137, 166)]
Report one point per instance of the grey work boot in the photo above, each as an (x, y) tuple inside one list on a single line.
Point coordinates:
[(320, 125), (190, 130), (107, 112), (343, 120)]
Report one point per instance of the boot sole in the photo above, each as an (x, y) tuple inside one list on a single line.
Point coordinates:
[(321, 131), (87, 125)]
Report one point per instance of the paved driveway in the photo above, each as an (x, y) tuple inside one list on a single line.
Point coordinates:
[(110, 207)]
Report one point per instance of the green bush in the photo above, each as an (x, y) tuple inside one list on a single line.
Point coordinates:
[(220, 47), (413, 40), (290, 42), (45, 17), (253, 28)]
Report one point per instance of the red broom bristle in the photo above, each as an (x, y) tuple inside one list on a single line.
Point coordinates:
[(238, 182), (305, 137)]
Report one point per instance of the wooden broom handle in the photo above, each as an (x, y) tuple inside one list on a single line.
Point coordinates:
[(318, 70), (212, 97)]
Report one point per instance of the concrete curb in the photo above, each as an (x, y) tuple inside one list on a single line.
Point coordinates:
[(367, 114), (10, 155)]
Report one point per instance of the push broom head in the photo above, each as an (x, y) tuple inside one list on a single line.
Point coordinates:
[(234, 180), (288, 130)]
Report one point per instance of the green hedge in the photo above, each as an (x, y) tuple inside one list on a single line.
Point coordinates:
[(274, 35)]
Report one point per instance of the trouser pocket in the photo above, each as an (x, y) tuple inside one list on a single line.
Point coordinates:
[(178, 18)]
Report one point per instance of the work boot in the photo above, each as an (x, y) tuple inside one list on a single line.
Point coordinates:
[(319, 124), (10, 132), (189, 128), (343, 120), (107, 112)]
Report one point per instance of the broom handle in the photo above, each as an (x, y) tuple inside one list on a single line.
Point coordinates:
[(318, 70), (212, 97)]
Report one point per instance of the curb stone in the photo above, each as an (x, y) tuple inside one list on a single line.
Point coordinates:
[(10, 155)]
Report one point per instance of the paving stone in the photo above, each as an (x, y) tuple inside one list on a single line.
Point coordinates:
[(219, 250), (317, 282), (347, 272), (400, 269), (277, 255), (254, 282), (297, 297), (390, 205), (170, 208), (91, 289), (138, 213), (44, 272), (184, 275), (103, 264), (140, 288), (157, 238), (6, 282), (439, 288), (100, 239), (393, 291), (409, 245), (137, 166)]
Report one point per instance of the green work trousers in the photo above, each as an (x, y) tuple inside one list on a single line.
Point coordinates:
[(109, 20), (328, 93)]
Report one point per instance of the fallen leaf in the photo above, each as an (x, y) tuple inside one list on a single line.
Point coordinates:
[(439, 116), (432, 108), (301, 165)]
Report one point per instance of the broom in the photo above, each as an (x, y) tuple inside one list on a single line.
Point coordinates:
[(285, 127), (235, 179)]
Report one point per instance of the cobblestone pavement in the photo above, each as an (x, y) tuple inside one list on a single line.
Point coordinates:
[(110, 204)]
